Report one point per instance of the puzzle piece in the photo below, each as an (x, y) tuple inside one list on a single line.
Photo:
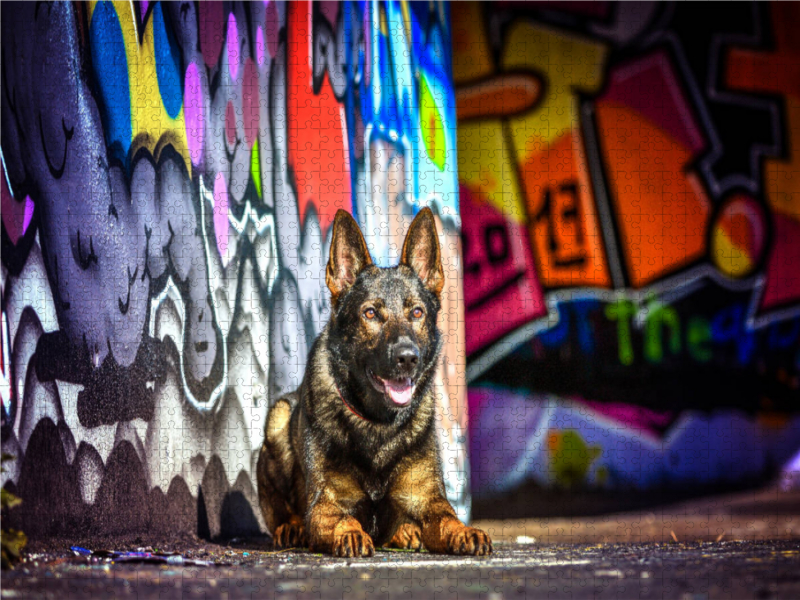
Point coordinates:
[(614, 188)]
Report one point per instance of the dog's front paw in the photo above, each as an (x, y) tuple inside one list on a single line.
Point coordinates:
[(469, 541), (407, 537), (290, 535), (353, 543)]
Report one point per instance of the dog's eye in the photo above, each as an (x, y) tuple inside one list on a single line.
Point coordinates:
[(369, 314), (417, 313)]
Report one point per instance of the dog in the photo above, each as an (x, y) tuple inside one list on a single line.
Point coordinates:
[(349, 460)]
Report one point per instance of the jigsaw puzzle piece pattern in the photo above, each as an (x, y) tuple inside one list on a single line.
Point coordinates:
[(626, 192), (170, 173)]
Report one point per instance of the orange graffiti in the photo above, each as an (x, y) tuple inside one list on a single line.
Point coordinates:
[(778, 72), (662, 218), (549, 145)]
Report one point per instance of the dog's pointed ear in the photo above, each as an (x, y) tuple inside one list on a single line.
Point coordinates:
[(421, 251), (349, 254)]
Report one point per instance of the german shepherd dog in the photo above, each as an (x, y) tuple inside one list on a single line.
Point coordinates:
[(350, 460)]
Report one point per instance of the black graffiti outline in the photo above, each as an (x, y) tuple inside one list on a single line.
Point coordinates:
[(64, 304), (123, 308), (474, 267), (77, 253), (48, 4), (488, 233), (547, 213), (496, 292), (185, 8), (57, 173)]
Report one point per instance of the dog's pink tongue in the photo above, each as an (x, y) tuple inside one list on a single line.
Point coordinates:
[(399, 391)]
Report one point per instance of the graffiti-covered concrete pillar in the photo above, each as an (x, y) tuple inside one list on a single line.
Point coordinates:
[(170, 175)]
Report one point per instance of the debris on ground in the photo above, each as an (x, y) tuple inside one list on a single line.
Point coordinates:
[(713, 570), (150, 556)]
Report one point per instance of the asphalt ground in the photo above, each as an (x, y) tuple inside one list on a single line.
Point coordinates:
[(652, 570), (737, 546), (758, 514)]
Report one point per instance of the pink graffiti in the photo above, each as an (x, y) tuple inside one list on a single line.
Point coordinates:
[(233, 47), (250, 102), (501, 287), (782, 287), (194, 108), (211, 19), (636, 417), (17, 216), (230, 125)]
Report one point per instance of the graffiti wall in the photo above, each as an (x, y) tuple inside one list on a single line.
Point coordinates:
[(630, 188), (170, 175)]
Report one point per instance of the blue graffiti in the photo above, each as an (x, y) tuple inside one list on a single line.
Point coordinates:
[(573, 315), (168, 64), (394, 47), (728, 325), (110, 67)]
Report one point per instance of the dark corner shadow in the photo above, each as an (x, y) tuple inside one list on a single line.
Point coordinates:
[(531, 500)]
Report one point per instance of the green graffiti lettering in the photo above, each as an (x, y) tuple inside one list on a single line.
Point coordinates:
[(698, 334), (622, 311), (661, 316)]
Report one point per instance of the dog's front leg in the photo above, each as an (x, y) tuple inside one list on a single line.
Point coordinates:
[(443, 532), (331, 526), (418, 492)]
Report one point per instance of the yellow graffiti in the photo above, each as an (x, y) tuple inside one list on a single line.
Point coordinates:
[(523, 107), (729, 258), (431, 125), (570, 457), (485, 163), (151, 126), (569, 64)]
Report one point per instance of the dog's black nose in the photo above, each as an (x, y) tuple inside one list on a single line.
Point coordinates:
[(406, 356)]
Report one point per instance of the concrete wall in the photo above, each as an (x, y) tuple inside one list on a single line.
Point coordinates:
[(630, 196), (170, 175)]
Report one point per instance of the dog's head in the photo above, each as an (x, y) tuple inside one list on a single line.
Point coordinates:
[(383, 328)]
